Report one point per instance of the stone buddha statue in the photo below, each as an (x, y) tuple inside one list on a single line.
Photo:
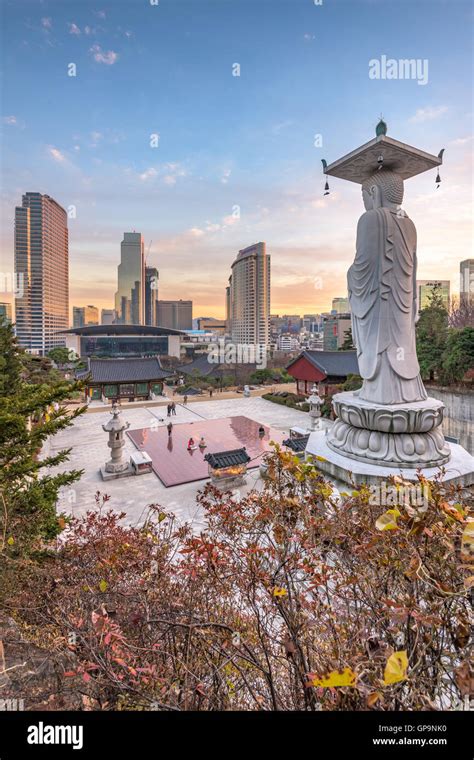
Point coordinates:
[(390, 421), (382, 295)]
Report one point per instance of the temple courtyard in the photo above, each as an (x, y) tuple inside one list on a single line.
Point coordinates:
[(178, 473)]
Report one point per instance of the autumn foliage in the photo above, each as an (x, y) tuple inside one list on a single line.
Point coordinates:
[(291, 599)]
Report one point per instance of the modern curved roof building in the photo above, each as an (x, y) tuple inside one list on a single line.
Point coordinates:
[(123, 341)]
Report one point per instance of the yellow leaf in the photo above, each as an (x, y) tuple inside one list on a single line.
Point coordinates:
[(103, 585), (396, 668), (373, 698), (345, 677), (10, 541), (320, 459), (467, 540), (388, 521), (277, 591)]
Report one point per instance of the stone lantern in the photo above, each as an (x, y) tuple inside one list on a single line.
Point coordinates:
[(117, 466), (315, 403)]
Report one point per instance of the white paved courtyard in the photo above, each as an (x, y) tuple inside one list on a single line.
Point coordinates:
[(132, 495)]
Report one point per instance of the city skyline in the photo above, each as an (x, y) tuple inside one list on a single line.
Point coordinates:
[(225, 174)]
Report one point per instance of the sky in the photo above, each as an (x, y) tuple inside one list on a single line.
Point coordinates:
[(236, 160)]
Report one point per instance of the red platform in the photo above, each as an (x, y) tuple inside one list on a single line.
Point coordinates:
[(174, 464)]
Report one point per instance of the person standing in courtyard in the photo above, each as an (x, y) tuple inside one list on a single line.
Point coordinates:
[(185, 400), (169, 428), (173, 408)]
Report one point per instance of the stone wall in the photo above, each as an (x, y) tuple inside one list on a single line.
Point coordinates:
[(459, 414)]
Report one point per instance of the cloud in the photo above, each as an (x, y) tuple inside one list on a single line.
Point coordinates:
[(96, 137), (277, 128), (225, 176), (108, 57), (308, 37), (11, 120), (74, 29), (89, 30), (56, 154), (148, 173), (195, 232), (428, 114), (47, 23), (100, 14), (169, 179), (462, 140)]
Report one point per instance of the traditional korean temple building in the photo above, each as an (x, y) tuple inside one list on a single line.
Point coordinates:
[(129, 379), (322, 367)]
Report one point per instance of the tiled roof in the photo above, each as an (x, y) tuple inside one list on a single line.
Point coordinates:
[(126, 370), (227, 458), (201, 366), (339, 363), (297, 444)]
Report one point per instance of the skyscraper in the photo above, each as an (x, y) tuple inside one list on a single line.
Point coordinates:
[(107, 316), (151, 296), (466, 285), (250, 296), (85, 315), (130, 295), (228, 317), (341, 305), (175, 315), (42, 273)]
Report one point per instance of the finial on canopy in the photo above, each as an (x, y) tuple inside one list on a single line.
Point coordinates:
[(381, 128)]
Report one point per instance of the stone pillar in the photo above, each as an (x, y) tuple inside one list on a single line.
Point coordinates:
[(315, 403), (116, 428)]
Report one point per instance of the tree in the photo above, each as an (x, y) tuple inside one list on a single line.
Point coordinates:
[(60, 355), (352, 383), (462, 312), (348, 344), (29, 415), (431, 335), (10, 360), (290, 598), (458, 356)]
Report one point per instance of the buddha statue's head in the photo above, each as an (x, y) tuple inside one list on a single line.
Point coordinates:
[(384, 188)]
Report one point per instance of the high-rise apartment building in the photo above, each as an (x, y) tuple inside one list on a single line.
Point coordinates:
[(335, 330), (424, 289), (250, 296), (130, 295), (151, 296), (107, 316), (85, 315), (466, 285), (341, 305), (175, 315), (228, 316), (42, 273)]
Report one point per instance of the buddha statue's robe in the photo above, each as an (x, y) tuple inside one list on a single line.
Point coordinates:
[(382, 295)]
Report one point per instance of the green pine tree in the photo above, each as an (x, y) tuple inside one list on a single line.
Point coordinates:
[(458, 357), (432, 335), (29, 416), (348, 344), (10, 360)]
